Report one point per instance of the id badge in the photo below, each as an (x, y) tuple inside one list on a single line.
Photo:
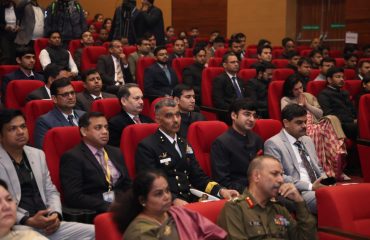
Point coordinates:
[(108, 196)]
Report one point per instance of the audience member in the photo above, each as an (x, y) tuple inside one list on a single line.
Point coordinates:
[(316, 57), (218, 43), (178, 50), (113, 68), (235, 46), (363, 69), (227, 87), (263, 42), (303, 71), (256, 209), (365, 84), (55, 53), (25, 57), (325, 51), (152, 40), (264, 54), (192, 74), (167, 151), (325, 65), (98, 18), (131, 100), (293, 58), (256, 88), (366, 51), (335, 101), (213, 36), (103, 37), (86, 41), (288, 45), (92, 172), (242, 39), (24, 169), (64, 98), (142, 214), (143, 50), (315, 43), (107, 24), (93, 90), (159, 78), (125, 24), (170, 34), (91, 28), (350, 61), (151, 19), (297, 154), (185, 97), (232, 151), (52, 72), (9, 26)]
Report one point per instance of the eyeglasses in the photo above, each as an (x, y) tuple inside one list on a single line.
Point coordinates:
[(251, 114), (66, 94)]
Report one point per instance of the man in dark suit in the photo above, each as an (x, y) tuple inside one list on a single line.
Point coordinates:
[(93, 90), (184, 95), (227, 87), (64, 98), (167, 151), (159, 78), (25, 57), (114, 68), (131, 100), (178, 50), (92, 172), (52, 72)]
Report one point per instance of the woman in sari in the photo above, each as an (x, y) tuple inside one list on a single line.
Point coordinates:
[(147, 213), (326, 132)]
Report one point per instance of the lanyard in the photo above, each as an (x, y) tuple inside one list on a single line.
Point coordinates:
[(107, 170)]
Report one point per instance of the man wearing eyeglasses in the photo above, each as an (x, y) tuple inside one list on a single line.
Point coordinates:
[(64, 98), (232, 151)]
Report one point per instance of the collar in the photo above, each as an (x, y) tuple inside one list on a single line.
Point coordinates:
[(28, 75), (334, 88), (47, 90), (93, 149), (131, 115), (290, 138), (66, 115), (94, 96), (162, 66), (230, 76), (237, 134), (168, 136)]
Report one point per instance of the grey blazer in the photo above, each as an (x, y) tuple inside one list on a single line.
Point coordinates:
[(27, 25), (48, 191), (279, 147)]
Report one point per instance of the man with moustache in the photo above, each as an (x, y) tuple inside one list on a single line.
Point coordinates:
[(256, 215), (93, 172), (297, 154)]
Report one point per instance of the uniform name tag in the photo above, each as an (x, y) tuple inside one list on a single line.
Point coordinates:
[(108, 196), (165, 160)]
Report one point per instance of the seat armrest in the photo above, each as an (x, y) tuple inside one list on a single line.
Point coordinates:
[(343, 233), (363, 141), (213, 109)]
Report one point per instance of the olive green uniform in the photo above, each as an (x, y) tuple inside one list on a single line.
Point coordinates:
[(244, 218)]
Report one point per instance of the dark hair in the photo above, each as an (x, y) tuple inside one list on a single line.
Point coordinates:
[(197, 49), (106, 20), (87, 73), (364, 48), (314, 52), (159, 48), (365, 80), (242, 104), (84, 120), (259, 68), (179, 88), (59, 83), (263, 42), (141, 40), (111, 43), (226, 56), (286, 40), (347, 56), (239, 35), (233, 40), (52, 32), (291, 111), (97, 16), (260, 48), (177, 39), (3, 184), (23, 50), (127, 205), (169, 27), (333, 70), (219, 39), (7, 115), (362, 63), (289, 85), (303, 60), (268, 65), (124, 91), (148, 35), (328, 59), (52, 70), (292, 54)]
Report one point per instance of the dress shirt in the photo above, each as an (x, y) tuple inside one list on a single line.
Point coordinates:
[(173, 141), (236, 81), (38, 31), (75, 121)]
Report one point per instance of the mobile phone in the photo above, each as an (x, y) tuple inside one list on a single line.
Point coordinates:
[(328, 181)]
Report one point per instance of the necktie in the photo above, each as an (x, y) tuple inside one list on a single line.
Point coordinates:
[(136, 119), (70, 120), (167, 72), (306, 162), (104, 164), (177, 147), (236, 86), (119, 79)]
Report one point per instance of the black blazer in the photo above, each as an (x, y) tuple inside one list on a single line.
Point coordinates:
[(38, 94), (156, 83), (84, 100), (83, 179), (118, 123)]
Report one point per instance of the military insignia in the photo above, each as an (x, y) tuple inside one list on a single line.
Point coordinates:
[(163, 155), (281, 220), (189, 150), (249, 202), (255, 223), (165, 161), (167, 230)]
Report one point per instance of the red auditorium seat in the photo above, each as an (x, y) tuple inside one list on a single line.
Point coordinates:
[(33, 110), (363, 143), (5, 69), (220, 52), (315, 87), (266, 128), (276, 53), (127, 50), (344, 208), (189, 52), (178, 64), (106, 45), (349, 74), (335, 53), (251, 46), (354, 87), (247, 74), (130, 138), (303, 47), (78, 86), (39, 44), (274, 95), (201, 135), (152, 107), (169, 50), (210, 210), (251, 52), (208, 75), (200, 39), (281, 73), (106, 228), (247, 62), (108, 106), (74, 44), (90, 55), (280, 63), (18, 90), (215, 62), (305, 52), (142, 63), (314, 73), (339, 62)]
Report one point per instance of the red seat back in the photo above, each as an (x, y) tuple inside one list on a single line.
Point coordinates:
[(73, 45), (38, 45), (142, 64), (349, 74), (303, 47), (78, 86), (215, 62), (178, 64), (280, 63), (276, 53), (266, 128), (106, 228), (127, 50), (201, 135), (339, 62), (354, 87), (305, 52), (90, 55), (247, 62), (188, 52), (220, 52), (364, 117), (335, 53), (274, 95), (281, 73), (108, 106), (362, 60), (131, 136), (208, 75), (18, 90), (152, 107), (315, 87), (247, 74), (210, 210), (314, 73), (5, 69), (34, 109), (251, 52)]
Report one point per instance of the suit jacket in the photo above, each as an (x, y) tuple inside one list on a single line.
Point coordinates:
[(132, 61), (192, 76), (53, 118), (83, 179), (49, 194), (183, 172), (156, 83), (223, 92), (151, 21), (186, 120), (105, 66), (279, 147), (84, 100), (118, 123), (38, 94)]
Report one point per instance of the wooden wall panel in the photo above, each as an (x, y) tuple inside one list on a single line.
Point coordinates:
[(207, 15), (358, 19)]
